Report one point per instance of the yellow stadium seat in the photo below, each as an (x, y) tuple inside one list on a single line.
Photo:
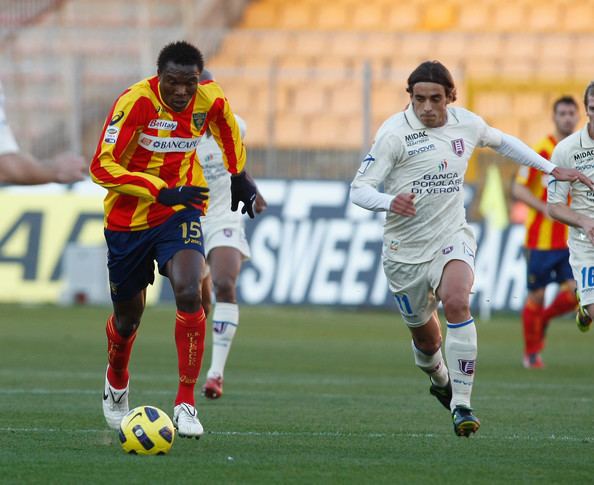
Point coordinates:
[(474, 17), (493, 104), (311, 43), (508, 16), (402, 17), (520, 47), (578, 17), (345, 44), (309, 99), (544, 17), (289, 130), (367, 16), (272, 44), (388, 98), (529, 104), (295, 16), (347, 98), (553, 47), (517, 69), (439, 16), (330, 16), (260, 15)]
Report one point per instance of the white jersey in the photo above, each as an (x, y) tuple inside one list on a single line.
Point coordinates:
[(7, 142), (217, 177), (575, 151), (408, 157)]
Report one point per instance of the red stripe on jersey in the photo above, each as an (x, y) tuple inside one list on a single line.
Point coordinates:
[(103, 175), (559, 236), (158, 213), (534, 231), (226, 134), (122, 212)]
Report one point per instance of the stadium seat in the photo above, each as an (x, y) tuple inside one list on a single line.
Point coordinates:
[(295, 16), (260, 15), (330, 16), (402, 17), (367, 16), (439, 16)]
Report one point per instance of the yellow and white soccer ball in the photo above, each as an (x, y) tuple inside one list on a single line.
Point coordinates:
[(146, 430)]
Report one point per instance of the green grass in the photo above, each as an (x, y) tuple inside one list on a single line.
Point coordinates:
[(312, 396)]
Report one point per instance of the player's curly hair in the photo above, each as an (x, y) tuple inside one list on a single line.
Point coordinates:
[(588, 93), (432, 72), (180, 52)]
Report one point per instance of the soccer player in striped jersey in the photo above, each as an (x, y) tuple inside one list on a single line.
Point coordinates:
[(19, 168), (420, 156), (546, 241), (156, 194)]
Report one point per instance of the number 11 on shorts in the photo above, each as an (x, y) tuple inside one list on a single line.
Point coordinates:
[(403, 303)]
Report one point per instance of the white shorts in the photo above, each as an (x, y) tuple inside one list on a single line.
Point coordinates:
[(582, 265), (225, 234), (414, 285)]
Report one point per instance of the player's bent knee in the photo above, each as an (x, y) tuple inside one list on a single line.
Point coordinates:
[(428, 345), (188, 298), (225, 289), (126, 325), (456, 307)]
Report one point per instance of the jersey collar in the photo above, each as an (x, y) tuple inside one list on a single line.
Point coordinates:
[(416, 124), (585, 140)]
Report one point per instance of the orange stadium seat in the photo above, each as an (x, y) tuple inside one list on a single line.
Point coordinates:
[(439, 16), (310, 43), (544, 17), (578, 17), (402, 17), (493, 104), (290, 130), (347, 98), (509, 16), (309, 99), (295, 16), (367, 16), (474, 17), (330, 16), (260, 15), (529, 104)]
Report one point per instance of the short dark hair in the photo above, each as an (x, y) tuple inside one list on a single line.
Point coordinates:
[(180, 52), (564, 100), (432, 72), (588, 93)]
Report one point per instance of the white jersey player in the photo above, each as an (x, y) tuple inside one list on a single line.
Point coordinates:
[(226, 248), (577, 152), (20, 168), (420, 156)]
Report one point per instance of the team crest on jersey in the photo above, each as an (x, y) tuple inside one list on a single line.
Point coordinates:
[(466, 366), (199, 119), (458, 146)]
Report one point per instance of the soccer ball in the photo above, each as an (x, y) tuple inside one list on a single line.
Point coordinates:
[(146, 430)]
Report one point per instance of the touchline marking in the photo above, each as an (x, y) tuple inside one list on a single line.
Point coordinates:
[(322, 434)]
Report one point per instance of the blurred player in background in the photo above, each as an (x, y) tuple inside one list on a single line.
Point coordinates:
[(546, 241), (146, 159), (420, 156), (21, 168), (577, 151), (226, 248)]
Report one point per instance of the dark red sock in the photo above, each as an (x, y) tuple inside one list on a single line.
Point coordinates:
[(190, 329), (532, 318), (564, 302), (118, 355)]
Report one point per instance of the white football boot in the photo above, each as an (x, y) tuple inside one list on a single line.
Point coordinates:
[(115, 404), (185, 420)]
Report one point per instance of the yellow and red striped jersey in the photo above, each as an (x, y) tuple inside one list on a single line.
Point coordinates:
[(542, 232), (145, 146)]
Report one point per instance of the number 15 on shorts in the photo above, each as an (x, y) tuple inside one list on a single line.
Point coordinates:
[(403, 303)]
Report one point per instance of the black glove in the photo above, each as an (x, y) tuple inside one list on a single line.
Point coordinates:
[(243, 190), (187, 195)]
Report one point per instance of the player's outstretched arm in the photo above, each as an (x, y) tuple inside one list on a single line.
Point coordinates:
[(512, 147), (22, 169), (566, 215)]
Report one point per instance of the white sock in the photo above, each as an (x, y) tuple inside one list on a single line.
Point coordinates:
[(461, 350), (433, 365), (224, 324)]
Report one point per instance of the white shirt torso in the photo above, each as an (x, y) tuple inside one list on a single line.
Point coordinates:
[(217, 176), (407, 157), (575, 151)]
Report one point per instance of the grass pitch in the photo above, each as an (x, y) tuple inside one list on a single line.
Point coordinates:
[(311, 396)]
